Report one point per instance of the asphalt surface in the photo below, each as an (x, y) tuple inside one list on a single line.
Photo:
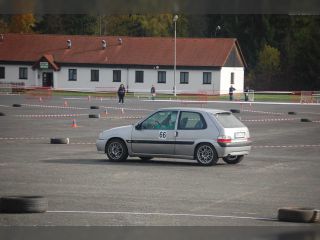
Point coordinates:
[(85, 189)]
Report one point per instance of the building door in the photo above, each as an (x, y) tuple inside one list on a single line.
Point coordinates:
[(47, 79)]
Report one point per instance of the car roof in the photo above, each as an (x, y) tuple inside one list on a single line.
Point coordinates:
[(208, 110)]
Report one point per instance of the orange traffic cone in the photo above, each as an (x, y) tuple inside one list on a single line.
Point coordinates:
[(74, 124), (65, 103)]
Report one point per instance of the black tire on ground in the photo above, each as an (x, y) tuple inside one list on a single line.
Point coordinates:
[(94, 107), (303, 215), (206, 154), (305, 120), (145, 158), (292, 113), (16, 105), (233, 159), (2, 114), (23, 204), (116, 150), (235, 110), (94, 115), (59, 140)]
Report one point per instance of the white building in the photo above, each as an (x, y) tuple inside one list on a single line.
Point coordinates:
[(92, 63)]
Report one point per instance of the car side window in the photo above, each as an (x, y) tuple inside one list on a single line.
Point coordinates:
[(191, 121), (163, 120)]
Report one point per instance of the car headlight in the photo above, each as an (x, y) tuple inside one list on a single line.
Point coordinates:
[(101, 136)]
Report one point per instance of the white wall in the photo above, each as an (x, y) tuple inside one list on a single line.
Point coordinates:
[(220, 79), (12, 75), (226, 79)]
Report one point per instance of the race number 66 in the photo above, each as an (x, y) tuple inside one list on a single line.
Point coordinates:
[(162, 134)]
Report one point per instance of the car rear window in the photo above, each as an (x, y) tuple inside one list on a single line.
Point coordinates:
[(227, 120)]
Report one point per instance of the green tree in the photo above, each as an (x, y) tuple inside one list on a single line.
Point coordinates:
[(22, 23)]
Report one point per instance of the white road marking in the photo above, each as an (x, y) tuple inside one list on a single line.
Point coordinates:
[(286, 146), (24, 138), (269, 120), (51, 106), (128, 109), (51, 115), (166, 214), (233, 102), (5, 106)]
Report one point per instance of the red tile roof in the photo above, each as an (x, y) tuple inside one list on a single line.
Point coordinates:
[(193, 52)]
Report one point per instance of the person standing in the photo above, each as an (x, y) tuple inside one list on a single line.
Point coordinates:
[(153, 92), (231, 89), (246, 94), (121, 93)]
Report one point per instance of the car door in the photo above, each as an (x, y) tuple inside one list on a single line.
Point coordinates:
[(156, 134), (191, 126)]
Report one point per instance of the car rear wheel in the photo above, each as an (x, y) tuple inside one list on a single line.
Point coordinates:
[(233, 159), (206, 155), (117, 150)]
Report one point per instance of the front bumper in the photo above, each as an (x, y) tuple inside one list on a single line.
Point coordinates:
[(101, 145)]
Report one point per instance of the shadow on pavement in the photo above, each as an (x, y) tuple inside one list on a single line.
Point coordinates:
[(129, 162)]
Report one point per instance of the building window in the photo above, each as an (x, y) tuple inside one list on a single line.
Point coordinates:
[(207, 77), (117, 75), (94, 75), (139, 76), (23, 73), (162, 77), (184, 78), (72, 74), (2, 73), (232, 78)]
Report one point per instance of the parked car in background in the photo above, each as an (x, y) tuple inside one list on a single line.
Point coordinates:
[(200, 134)]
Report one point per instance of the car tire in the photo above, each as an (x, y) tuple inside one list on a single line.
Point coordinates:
[(305, 120), (233, 159), (145, 158), (235, 110), (16, 105), (302, 215), (94, 115), (206, 154), (2, 114), (292, 113), (116, 150), (59, 141), (24, 204), (94, 107)]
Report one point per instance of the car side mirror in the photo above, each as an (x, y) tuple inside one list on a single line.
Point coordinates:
[(138, 126)]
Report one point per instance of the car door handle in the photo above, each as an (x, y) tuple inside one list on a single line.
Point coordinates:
[(176, 135)]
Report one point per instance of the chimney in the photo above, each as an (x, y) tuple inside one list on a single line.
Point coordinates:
[(104, 44), (69, 44), (120, 41)]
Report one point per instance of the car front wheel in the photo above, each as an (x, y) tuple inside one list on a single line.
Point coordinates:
[(117, 150), (206, 155), (233, 159)]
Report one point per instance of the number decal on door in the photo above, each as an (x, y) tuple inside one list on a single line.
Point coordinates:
[(162, 134)]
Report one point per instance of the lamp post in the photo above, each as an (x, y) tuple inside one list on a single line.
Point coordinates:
[(175, 18)]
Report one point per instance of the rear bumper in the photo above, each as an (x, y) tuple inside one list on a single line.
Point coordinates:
[(235, 149), (236, 144), (101, 145)]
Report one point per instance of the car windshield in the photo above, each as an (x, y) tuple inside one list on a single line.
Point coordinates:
[(227, 120)]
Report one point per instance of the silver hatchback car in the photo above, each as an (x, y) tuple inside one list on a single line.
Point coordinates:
[(190, 133)]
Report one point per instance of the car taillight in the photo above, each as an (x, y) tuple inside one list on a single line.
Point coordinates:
[(224, 139)]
